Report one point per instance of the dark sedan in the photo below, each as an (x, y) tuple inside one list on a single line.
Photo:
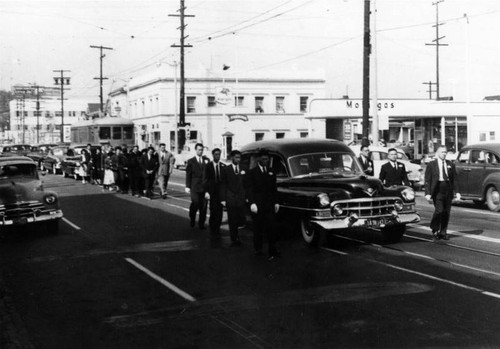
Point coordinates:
[(322, 187), (478, 174), (38, 152), (54, 160)]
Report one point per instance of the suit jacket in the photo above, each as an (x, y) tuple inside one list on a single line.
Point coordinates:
[(149, 164), (165, 165), (261, 188), (232, 189), (390, 176), (369, 163), (210, 182), (432, 177), (194, 174)]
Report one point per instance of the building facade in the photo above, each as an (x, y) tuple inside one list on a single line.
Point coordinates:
[(32, 125), (420, 123), (222, 112)]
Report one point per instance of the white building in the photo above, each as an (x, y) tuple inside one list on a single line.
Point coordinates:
[(253, 108), (24, 119), (421, 122)]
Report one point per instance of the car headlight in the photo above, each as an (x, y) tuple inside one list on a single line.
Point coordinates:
[(408, 194), (323, 199), (50, 199)]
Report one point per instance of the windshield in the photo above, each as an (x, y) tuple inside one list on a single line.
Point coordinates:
[(319, 163), (18, 170)]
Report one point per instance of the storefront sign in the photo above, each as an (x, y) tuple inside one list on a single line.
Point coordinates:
[(380, 106), (347, 131), (223, 95), (233, 117)]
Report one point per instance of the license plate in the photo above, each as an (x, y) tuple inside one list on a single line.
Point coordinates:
[(375, 222)]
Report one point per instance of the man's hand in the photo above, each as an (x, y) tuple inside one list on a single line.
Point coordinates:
[(207, 196), (276, 208), (223, 203), (458, 196), (428, 197), (253, 208), (187, 190)]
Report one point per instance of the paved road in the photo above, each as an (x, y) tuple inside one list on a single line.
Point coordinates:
[(125, 272)]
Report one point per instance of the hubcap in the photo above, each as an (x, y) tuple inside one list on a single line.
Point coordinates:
[(495, 197)]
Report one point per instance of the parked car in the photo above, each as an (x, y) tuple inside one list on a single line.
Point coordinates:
[(22, 197), (53, 161), (71, 165), (38, 152), (322, 187), (16, 149), (478, 174), (379, 156)]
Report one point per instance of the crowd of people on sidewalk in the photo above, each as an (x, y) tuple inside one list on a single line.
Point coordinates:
[(127, 171)]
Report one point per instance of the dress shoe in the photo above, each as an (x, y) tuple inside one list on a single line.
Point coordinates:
[(272, 258), (436, 235), (164, 196), (444, 236)]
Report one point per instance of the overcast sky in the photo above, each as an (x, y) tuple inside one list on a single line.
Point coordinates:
[(254, 37)]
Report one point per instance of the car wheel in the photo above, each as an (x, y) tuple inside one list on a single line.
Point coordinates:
[(311, 233), (52, 226), (493, 199), (393, 233)]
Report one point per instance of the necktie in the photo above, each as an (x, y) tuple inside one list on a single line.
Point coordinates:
[(199, 160), (162, 156), (265, 169), (445, 175), (217, 175), (236, 170), (394, 165)]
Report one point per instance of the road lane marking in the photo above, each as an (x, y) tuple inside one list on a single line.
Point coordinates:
[(233, 326), (454, 232), (428, 276), (162, 281), (419, 255), (73, 225)]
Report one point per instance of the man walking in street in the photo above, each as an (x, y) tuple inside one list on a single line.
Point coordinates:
[(149, 164), (232, 196), (194, 186), (440, 185), (212, 182), (262, 197), (166, 162), (393, 172), (365, 161), (134, 170)]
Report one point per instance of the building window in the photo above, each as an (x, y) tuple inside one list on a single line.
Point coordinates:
[(128, 132), (238, 101), (191, 107), (37, 113), (105, 133), (259, 136), (280, 104), (117, 132), (280, 135), (303, 104), (304, 134), (259, 104), (211, 101)]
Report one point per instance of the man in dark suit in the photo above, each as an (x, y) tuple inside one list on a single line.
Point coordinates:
[(262, 197), (149, 163), (393, 172), (194, 186), (440, 185), (134, 170), (212, 181), (232, 195), (364, 160)]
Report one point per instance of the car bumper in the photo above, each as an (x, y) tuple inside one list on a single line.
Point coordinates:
[(377, 222), (57, 214)]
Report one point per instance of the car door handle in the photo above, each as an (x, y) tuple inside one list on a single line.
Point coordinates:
[(467, 169)]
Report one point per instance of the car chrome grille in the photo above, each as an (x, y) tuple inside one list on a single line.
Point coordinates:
[(367, 207), (21, 209)]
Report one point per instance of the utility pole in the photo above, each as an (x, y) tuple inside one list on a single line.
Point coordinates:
[(437, 44), (430, 90), (61, 81), (101, 78), (37, 89), (182, 45), (366, 70)]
